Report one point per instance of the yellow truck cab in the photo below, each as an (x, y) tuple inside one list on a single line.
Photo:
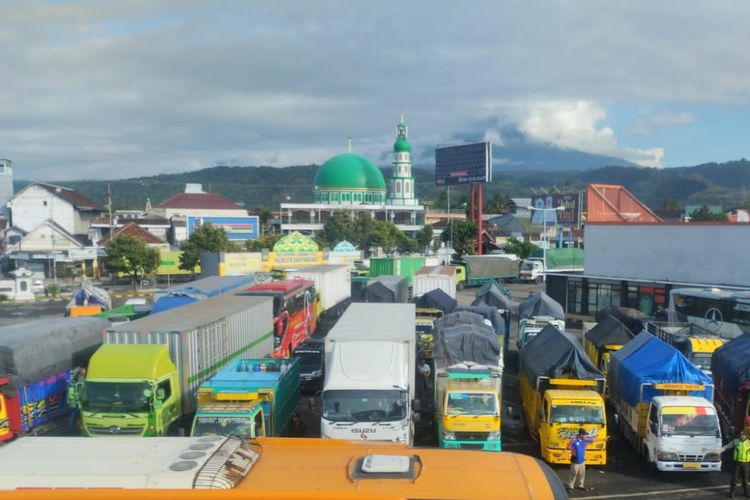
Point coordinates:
[(470, 414), (564, 412)]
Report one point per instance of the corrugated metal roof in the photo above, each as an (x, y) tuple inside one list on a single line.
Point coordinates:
[(212, 201), (193, 315)]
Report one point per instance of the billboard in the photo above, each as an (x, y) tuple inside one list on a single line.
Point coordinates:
[(237, 228), (463, 164), (544, 205)]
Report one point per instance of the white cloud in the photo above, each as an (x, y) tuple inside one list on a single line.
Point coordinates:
[(572, 125), (649, 124)]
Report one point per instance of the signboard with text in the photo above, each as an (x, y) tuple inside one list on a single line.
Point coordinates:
[(236, 228), (463, 164), (545, 205)]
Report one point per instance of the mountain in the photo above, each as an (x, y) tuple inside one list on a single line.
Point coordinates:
[(266, 187)]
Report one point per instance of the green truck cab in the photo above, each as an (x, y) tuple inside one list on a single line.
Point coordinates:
[(249, 398), (129, 390)]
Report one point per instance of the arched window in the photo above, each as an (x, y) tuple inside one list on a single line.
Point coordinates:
[(406, 187)]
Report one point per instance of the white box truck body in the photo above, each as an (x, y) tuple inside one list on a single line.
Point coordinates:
[(370, 374), (333, 284), (433, 277)]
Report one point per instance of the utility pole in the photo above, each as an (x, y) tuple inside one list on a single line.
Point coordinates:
[(109, 207)]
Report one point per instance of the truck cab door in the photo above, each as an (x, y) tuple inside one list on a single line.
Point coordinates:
[(259, 429)]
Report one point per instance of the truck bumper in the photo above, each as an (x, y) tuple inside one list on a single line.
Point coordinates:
[(557, 456), (688, 466), (472, 445)]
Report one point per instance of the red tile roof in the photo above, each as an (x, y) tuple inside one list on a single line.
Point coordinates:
[(210, 201), (73, 197), (133, 229)]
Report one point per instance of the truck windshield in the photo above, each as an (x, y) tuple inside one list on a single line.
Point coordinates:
[(222, 426), (690, 424), (702, 360), (527, 266), (364, 406), (471, 404), (309, 360), (569, 414), (129, 397)]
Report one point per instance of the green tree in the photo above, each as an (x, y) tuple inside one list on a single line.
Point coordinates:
[(130, 255), (464, 236), (337, 228), (521, 248), (498, 204), (268, 240), (704, 214), (206, 238), (424, 237)]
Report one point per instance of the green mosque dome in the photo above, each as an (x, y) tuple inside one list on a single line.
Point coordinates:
[(402, 146), (349, 171)]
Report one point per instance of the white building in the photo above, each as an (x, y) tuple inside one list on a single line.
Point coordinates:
[(6, 186)]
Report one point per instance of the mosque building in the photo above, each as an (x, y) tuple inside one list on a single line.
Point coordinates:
[(353, 183)]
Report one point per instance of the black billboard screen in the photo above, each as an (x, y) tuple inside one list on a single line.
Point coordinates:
[(463, 164)]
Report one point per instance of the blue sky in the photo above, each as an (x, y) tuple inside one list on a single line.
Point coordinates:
[(111, 89)]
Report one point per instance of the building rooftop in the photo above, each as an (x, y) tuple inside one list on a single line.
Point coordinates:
[(208, 201), (73, 197), (133, 229)]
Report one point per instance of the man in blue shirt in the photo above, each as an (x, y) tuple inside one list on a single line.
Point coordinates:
[(577, 447)]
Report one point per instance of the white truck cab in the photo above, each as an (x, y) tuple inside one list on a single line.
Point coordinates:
[(530, 328), (683, 434)]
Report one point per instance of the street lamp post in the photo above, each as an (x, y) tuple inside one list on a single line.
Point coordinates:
[(544, 235)]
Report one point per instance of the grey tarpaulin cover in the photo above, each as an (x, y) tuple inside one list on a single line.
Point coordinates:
[(437, 299), (387, 289), (39, 349), (609, 331), (553, 353), (457, 341), (487, 312), (492, 266), (540, 304), (633, 319), (492, 295)]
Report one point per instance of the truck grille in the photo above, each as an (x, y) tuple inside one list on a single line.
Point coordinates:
[(690, 458), (114, 430), (471, 436), (472, 446)]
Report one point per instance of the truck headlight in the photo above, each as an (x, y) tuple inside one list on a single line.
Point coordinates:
[(711, 457), (666, 456), (449, 436), (493, 436)]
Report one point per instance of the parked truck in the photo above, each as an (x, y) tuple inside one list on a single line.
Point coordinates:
[(369, 390), (606, 337), (249, 398), (202, 289), (431, 278), (37, 361), (562, 392), (558, 260), (333, 284), (663, 406), (694, 342), (534, 313), (396, 266), (468, 384), (476, 270), (143, 381), (731, 375)]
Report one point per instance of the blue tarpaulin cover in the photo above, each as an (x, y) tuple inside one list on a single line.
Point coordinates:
[(646, 359), (437, 299), (487, 312), (730, 364), (492, 294)]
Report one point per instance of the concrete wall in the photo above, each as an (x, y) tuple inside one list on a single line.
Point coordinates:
[(713, 254)]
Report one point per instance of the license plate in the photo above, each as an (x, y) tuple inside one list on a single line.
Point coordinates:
[(691, 465)]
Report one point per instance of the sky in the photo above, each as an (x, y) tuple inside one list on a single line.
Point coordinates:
[(105, 90)]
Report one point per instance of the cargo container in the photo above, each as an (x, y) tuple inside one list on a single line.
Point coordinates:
[(36, 361), (393, 289), (333, 284), (435, 277), (162, 359), (396, 266), (198, 290)]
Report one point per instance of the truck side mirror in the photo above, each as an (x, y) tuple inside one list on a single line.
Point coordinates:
[(654, 428), (416, 405), (540, 415)]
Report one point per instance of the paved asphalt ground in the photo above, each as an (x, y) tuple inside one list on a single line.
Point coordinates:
[(624, 476)]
